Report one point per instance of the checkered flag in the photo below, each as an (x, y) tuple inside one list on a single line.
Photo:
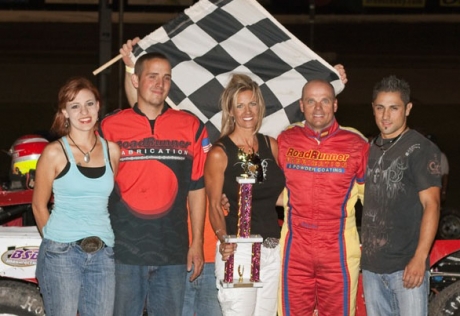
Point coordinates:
[(213, 39)]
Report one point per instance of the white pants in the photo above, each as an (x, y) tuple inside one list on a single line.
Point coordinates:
[(250, 301)]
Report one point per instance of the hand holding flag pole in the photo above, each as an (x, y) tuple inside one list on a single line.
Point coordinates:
[(125, 51)]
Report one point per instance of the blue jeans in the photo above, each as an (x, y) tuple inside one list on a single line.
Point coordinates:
[(201, 294), (385, 295), (71, 279), (159, 288)]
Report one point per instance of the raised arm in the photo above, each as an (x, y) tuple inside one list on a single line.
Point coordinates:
[(125, 51), (342, 73)]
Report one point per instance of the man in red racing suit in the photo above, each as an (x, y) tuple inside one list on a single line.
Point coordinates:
[(324, 165)]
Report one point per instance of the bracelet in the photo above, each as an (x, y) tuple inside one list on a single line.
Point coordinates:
[(217, 231), (129, 70)]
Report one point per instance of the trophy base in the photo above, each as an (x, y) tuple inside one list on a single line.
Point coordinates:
[(244, 283)]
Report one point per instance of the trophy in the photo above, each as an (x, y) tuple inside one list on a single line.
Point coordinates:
[(245, 182)]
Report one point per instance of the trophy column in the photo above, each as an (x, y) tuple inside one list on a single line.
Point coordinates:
[(244, 236)]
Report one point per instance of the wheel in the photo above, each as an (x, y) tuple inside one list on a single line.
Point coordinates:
[(19, 298), (446, 302), (449, 225)]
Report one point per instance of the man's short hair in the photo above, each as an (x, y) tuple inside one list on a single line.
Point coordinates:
[(139, 66), (393, 84)]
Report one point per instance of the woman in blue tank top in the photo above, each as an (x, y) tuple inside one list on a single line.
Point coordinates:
[(75, 267)]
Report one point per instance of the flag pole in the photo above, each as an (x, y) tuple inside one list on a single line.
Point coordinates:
[(107, 64)]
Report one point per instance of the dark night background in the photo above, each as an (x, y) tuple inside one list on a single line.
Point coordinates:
[(421, 45)]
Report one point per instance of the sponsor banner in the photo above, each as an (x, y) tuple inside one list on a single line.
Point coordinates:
[(19, 252), (395, 3), (449, 3), (20, 256)]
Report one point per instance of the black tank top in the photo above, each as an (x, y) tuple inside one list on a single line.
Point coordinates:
[(264, 218)]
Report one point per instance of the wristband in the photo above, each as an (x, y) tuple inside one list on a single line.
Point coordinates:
[(129, 70)]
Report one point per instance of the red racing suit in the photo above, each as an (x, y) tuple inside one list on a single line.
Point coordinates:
[(319, 240)]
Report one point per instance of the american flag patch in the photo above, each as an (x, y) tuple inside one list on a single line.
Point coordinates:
[(206, 144)]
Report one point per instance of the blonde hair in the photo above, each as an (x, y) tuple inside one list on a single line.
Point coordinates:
[(239, 83)]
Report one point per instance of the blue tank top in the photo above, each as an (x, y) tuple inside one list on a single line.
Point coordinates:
[(80, 204)]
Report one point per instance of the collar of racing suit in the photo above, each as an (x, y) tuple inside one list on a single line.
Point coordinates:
[(324, 133)]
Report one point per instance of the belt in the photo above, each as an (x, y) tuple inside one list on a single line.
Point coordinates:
[(271, 242), (91, 244)]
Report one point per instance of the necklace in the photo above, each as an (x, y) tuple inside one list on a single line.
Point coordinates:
[(392, 142), (377, 170), (86, 156)]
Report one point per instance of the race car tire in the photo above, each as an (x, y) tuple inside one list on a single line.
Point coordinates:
[(19, 298), (449, 224), (446, 302)]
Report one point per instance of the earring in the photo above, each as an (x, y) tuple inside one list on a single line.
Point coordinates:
[(66, 123)]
